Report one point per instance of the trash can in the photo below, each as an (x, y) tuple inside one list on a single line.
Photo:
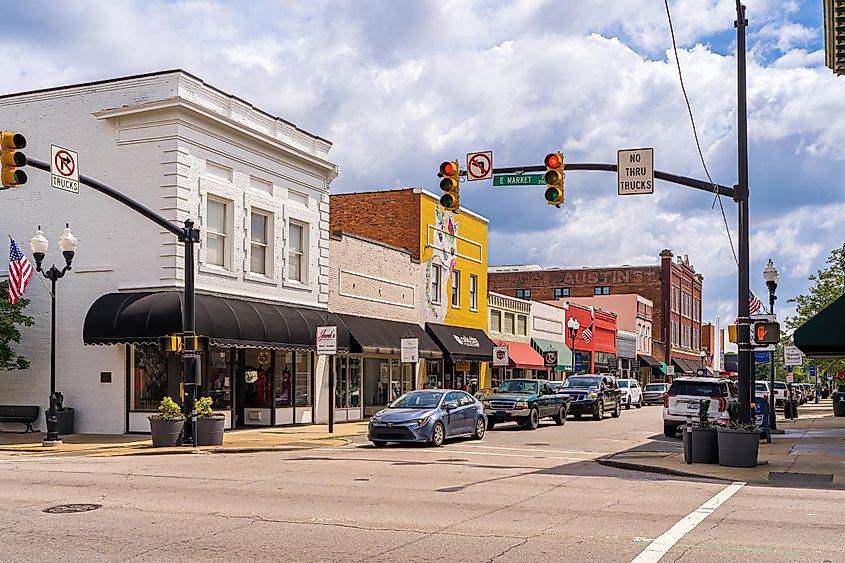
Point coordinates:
[(839, 403), (790, 409)]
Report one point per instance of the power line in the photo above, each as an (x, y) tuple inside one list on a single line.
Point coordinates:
[(695, 133)]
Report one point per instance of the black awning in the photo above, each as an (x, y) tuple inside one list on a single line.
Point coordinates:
[(648, 360), (136, 318), (462, 343), (379, 336), (823, 336), (682, 365)]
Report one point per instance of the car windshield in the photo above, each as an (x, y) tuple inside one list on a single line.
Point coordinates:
[(517, 386), (780, 385), (623, 383), (588, 382), (654, 387), (695, 388), (417, 400), (761, 387)]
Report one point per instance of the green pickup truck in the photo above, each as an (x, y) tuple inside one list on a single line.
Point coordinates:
[(525, 401)]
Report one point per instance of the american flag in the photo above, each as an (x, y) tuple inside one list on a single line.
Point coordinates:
[(20, 272), (587, 333), (754, 304)]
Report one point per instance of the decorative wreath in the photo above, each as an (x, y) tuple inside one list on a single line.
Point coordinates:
[(264, 357)]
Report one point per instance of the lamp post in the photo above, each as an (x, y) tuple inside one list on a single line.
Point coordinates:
[(771, 276), (39, 245), (573, 325)]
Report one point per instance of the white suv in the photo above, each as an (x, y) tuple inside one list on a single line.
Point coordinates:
[(632, 392), (685, 395), (762, 390)]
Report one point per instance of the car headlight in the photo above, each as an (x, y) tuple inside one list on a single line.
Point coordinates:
[(485, 403), (593, 395), (521, 405), (422, 421)]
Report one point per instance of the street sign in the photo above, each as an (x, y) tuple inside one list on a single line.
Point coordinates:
[(479, 165), (519, 180), (792, 356), (579, 362), (326, 340), (550, 358), (64, 169), (814, 371), (410, 350), (670, 370), (790, 378), (635, 171), (762, 357), (500, 356)]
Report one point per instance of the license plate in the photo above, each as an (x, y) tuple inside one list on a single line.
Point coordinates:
[(692, 407)]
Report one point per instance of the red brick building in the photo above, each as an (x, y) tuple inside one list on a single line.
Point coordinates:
[(595, 341), (672, 285)]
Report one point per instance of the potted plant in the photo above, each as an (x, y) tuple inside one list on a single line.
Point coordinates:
[(210, 424), (64, 415), (739, 442), (705, 445), (168, 426)]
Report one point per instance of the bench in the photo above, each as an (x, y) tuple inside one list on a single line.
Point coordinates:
[(23, 414)]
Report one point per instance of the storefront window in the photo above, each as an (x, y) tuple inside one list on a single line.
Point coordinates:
[(304, 378), (348, 382), (284, 379), (149, 377), (258, 378), (434, 374), (219, 378)]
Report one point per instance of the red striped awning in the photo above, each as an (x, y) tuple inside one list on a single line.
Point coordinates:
[(522, 355)]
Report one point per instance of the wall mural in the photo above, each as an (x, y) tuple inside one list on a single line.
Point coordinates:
[(444, 250)]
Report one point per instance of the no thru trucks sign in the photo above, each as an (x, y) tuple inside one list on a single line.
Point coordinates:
[(635, 171)]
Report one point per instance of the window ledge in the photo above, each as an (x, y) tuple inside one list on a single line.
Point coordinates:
[(218, 271), (297, 285), (258, 278)]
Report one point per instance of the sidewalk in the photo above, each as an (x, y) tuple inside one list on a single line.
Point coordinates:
[(236, 441), (811, 453)]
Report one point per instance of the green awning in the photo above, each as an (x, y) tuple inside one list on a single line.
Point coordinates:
[(564, 354), (823, 336)]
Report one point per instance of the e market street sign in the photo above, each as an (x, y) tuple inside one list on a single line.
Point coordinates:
[(519, 180)]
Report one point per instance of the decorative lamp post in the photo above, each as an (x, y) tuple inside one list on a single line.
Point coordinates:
[(771, 276), (39, 245), (573, 325)]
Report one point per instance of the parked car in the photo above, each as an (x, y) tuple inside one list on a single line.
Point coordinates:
[(811, 391), (429, 416), (761, 389), (592, 394), (525, 401), (685, 395), (781, 391), (632, 392), (654, 393)]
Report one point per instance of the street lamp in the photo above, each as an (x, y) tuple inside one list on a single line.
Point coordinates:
[(771, 276), (573, 325), (39, 245)]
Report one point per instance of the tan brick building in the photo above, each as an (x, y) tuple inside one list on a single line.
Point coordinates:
[(673, 286)]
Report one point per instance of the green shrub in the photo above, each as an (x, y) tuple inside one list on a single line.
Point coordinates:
[(203, 406), (168, 410)]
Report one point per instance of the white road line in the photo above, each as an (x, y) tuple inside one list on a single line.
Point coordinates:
[(660, 546), (24, 459)]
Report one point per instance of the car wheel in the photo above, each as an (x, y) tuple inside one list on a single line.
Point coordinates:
[(480, 428), (491, 423), (438, 434), (560, 418), (669, 430), (617, 411), (533, 420), (379, 443), (639, 404), (628, 404), (599, 412)]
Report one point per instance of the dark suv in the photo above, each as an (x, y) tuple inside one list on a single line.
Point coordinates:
[(593, 395)]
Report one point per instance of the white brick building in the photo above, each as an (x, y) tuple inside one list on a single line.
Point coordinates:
[(257, 188)]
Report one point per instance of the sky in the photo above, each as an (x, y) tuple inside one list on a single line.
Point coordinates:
[(400, 85)]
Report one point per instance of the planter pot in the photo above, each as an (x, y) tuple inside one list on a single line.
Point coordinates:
[(65, 421), (839, 404), (167, 433), (705, 445), (210, 430), (738, 448)]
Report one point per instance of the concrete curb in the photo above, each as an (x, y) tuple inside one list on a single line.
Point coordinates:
[(608, 462)]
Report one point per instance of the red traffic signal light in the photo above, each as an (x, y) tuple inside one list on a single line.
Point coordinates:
[(554, 178), (450, 183)]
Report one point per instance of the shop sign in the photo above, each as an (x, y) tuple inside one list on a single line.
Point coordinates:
[(326, 340), (792, 356), (462, 365), (670, 370), (635, 365), (500, 356), (579, 363), (410, 350), (550, 358), (469, 341)]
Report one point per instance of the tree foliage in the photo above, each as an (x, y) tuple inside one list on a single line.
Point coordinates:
[(11, 318), (827, 286)]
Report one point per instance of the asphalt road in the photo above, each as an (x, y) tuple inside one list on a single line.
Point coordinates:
[(515, 496)]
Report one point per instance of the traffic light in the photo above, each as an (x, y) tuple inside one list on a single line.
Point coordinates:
[(12, 159), (732, 333), (554, 178), (766, 332), (450, 184)]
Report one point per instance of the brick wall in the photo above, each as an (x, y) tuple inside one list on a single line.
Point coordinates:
[(392, 217)]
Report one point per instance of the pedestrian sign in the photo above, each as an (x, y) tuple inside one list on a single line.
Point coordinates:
[(64, 169)]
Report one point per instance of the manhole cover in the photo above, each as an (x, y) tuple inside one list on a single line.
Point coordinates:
[(71, 508)]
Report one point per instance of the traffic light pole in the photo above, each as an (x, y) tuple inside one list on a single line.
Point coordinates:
[(190, 236)]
